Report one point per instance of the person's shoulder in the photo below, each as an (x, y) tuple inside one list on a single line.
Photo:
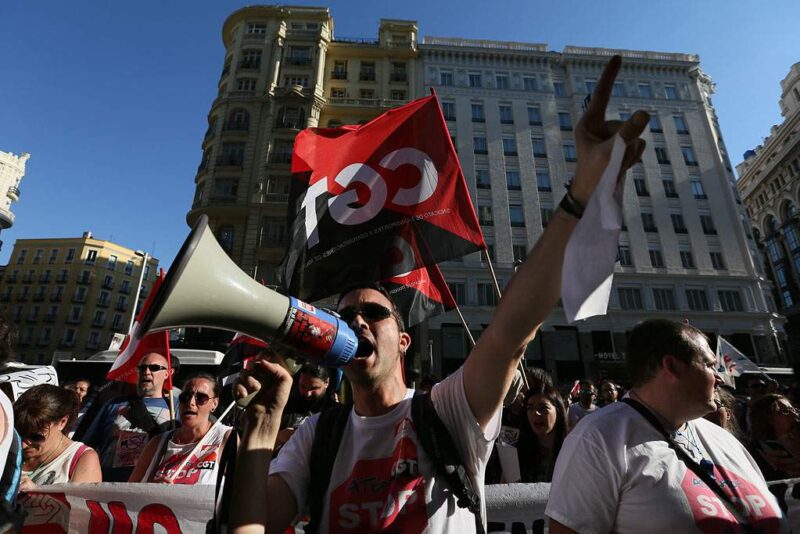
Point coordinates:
[(606, 422), (711, 430)]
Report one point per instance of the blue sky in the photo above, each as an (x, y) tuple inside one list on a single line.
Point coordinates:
[(111, 98)]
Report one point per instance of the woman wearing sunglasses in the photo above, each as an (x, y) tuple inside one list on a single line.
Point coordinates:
[(164, 457), (48, 456)]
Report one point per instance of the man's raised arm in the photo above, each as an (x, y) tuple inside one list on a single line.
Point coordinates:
[(536, 287)]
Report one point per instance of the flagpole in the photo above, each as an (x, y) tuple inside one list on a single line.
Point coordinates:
[(499, 295), (466, 326)]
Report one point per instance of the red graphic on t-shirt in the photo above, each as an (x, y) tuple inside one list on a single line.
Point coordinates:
[(384, 494), (712, 515), (190, 473)]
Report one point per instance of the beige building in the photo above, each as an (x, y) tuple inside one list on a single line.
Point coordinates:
[(71, 295), (511, 108), (12, 169), (769, 182)]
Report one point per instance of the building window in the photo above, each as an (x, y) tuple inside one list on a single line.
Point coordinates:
[(486, 294), (546, 214), (445, 78), (641, 186), (366, 72), (513, 182), (38, 257), (53, 256), (256, 29), (708, 225), (717, 260), (509, 146), (448, 110), (516, 216), (697, 299), (485, 215), (648, 222), (669, 186), (238, 119), (397, 94), (677, 223), (655, 123), (339, 70), (590, 86), (225, 236), (730, 300), (630, 298), (475, 79), (534, 116), (656, 258), (520, 252), (618, 90), (477, 113), (502, 81), (369, 94), (670, 92), (91, 257), (569, 152), (338, 92), (664, 299), (686, 259), (232, 154), (479, 145), (539, 149), (246, 85), (543, 181), (661, 155), (688, 156), (459, 292), (564, 121), (624, 256), (645, 91), (559, 89), (398, 73), (251, 59), (680, 124), (506, 114), (129, 267), (482, 179), (529, 83), (70, 255)]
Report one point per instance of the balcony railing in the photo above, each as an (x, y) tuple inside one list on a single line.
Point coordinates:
[(14, 193), (249, 65), (366, 76), (339, 75)]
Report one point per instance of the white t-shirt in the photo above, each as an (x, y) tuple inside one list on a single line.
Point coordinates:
[(201, 468), (57, 470), (577, 412), (616, 473), (382, 479)]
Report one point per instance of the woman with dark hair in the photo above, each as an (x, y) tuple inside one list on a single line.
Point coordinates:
[(541, 438), (178, 456), (775, 436), (48, 456)]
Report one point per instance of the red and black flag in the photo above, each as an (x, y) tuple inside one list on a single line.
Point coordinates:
[(356, 188), (420, 294)]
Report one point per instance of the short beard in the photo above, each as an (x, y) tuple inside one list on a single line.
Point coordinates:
[(145, 390)]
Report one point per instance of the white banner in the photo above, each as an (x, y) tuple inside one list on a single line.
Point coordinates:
[(118, 508)]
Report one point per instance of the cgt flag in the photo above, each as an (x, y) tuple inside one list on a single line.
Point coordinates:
[(355, 188), (133, 349), (420, 294), (732, 363)]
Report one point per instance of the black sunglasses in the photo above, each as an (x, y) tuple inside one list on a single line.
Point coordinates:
[(34, 438), (199, 398), (369, 311), (153, 367)]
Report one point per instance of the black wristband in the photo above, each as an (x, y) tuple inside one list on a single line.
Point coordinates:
[(571, 206)]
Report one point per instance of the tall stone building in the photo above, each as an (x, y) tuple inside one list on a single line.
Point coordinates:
[(511, 108), (769, 182), (71, 295), (12, 169)]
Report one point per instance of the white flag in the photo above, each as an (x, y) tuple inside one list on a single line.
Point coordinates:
[(732, 363)]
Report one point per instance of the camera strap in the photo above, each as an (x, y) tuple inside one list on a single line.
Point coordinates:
[(696, 468)]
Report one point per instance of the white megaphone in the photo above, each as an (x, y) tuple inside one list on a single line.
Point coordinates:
[(205, 288)]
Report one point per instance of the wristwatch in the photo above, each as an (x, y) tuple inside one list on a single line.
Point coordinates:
[(571, 206)]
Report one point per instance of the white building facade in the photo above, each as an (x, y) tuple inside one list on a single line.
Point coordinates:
[(12, 169)]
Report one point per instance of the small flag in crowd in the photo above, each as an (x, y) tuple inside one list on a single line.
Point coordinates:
[(732, 363), (420, 294), (355, 188), (136, 347)]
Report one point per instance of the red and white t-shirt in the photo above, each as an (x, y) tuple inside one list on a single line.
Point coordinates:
[(615, 473), (382, 479), (201, 468)]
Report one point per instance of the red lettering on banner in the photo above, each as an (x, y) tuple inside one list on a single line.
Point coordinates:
[(712, 515), (99, 523), (122, 521), (157, 514)]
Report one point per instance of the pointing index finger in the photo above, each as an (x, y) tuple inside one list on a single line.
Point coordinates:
[(596, 111)]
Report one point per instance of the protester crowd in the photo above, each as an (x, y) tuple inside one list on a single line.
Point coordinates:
[(386, 458)]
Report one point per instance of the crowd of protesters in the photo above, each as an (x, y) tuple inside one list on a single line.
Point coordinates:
[(608, 465)]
